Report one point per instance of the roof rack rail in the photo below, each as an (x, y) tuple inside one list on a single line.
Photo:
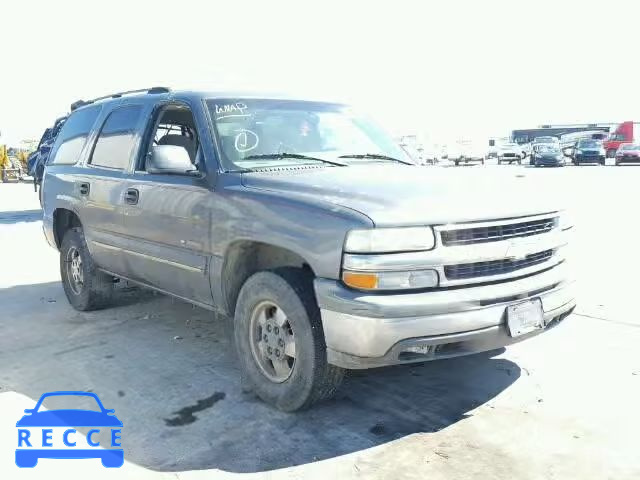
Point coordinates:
[(152, 91)]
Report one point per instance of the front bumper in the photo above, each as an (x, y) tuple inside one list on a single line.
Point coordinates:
[(47, 229), (548, 161), (590, 158), (364, 330)]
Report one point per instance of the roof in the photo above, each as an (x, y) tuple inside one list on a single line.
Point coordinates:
[(166, 93)]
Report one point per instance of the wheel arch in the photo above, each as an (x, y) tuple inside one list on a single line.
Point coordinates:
[(64, 220), (243, 258)]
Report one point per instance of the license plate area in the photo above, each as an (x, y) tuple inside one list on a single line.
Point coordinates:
[(525, 317)]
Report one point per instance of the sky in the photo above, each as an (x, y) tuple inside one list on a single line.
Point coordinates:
[(445, 70)]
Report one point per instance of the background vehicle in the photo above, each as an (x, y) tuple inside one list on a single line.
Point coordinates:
[(544, 140), (628, 153), (622, 134), (306, 224), (509, 153), (588, 151), (547, 155), (38, 159), (570, 139)]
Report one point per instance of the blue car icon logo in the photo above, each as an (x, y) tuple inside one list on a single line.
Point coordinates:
[(52, 434)]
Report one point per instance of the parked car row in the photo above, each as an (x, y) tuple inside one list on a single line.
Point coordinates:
[(549, 152)]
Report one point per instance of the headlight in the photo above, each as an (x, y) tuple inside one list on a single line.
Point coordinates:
[(384, 240), (414, 279)]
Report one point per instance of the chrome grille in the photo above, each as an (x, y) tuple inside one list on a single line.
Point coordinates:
[(494, 267), (494, 233)]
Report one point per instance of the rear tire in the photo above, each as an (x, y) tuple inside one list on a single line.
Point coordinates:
[(86, 287), (289, 295)]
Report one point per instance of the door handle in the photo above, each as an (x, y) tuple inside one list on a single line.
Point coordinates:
[(131, 196), (83, 188)]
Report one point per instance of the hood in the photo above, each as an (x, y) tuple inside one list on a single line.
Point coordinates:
[(392, 194), (550, 153)]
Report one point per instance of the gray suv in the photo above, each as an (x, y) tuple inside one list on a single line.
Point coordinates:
[(305, 223)]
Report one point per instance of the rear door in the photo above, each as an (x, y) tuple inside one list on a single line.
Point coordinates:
[(167, 216), (108, 163)]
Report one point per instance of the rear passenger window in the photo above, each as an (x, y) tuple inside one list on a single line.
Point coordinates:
[(73, 136), (117, 138)]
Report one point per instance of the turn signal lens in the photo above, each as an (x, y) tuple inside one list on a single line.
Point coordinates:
[(391, 280), (367, 281)]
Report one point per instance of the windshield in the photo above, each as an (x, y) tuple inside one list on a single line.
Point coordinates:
[(630, 146), (547, 148), (255, 133), (546, 140), (589, 144)]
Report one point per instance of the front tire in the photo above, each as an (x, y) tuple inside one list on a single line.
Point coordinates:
[(280, 341), (86, 287)]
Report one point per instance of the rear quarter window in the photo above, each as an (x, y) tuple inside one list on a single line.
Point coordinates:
[(73, 136)]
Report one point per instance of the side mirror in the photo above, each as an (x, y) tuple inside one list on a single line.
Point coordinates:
[(29, 410), (171, 160)]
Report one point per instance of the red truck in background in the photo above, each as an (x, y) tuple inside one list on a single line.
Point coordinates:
[(622, 134)]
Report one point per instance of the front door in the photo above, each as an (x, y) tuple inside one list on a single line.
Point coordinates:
[(166, 215)]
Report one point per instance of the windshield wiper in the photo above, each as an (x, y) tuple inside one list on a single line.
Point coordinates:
[(297, 156), (376, 156)]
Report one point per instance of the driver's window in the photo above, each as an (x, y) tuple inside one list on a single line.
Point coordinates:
[(175, 125)]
